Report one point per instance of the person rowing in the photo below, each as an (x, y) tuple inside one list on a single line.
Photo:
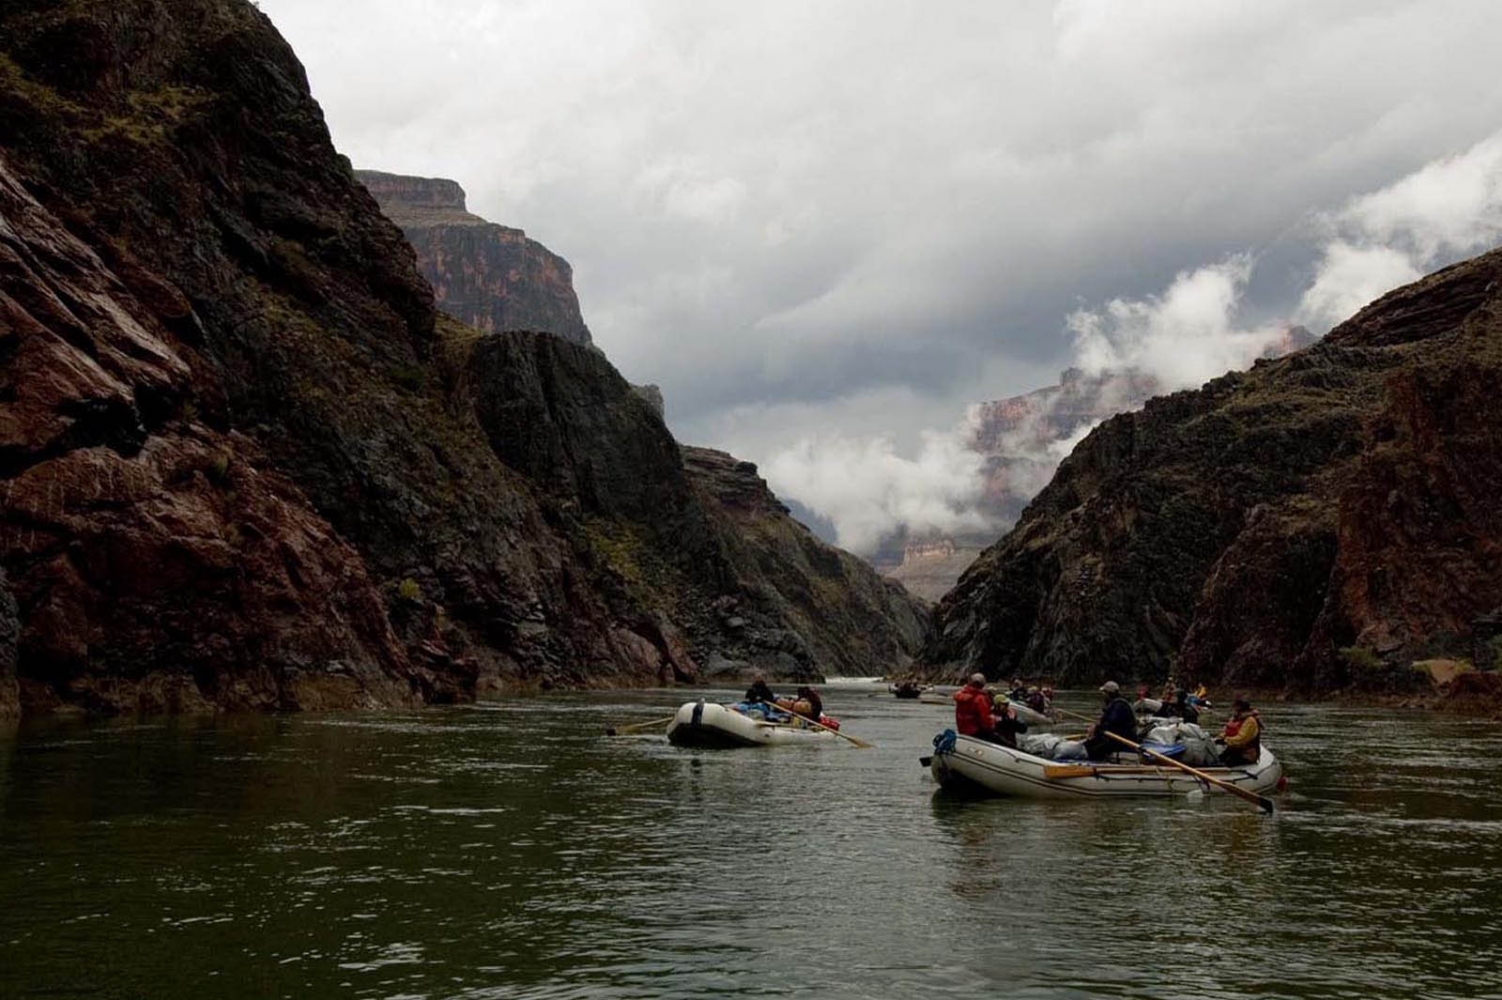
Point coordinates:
[(808, 704), (1116, 717), (758, 691), (1242, 735)]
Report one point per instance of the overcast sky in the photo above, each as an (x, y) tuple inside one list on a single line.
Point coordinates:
[(845, 220)]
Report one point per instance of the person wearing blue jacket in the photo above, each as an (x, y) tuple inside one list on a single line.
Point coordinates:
[(1117, 717)]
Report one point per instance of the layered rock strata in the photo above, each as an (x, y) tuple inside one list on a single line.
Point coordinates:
[(1320, 521), (246, 464), (489, 276)]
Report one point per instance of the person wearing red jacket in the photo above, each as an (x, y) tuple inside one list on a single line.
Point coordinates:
[(972, 715), (972, 708)]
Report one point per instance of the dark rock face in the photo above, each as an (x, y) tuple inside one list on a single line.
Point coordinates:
[(855, 622), (245, 462), (1023, 438), (491, 277), (1319, 521), (10, 632), (158, 562)]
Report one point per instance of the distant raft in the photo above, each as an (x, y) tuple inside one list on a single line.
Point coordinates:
[(971, 765), (1031, 716), (706, 724)]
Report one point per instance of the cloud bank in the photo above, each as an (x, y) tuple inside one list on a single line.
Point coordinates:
[(1182, 337), (1194, 330), (867, 489), (1449, 209), (845, 221)]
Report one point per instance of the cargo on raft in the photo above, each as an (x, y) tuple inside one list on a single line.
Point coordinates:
[(966, 764), (707, 724)]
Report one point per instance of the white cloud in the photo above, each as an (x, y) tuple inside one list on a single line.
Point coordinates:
[(1447, 209), (1184, 336), (1349, 277), (866, 488), (1453, 205), (1192, 331)]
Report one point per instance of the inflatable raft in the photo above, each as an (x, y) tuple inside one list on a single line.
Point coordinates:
[(706, 724), (1029, 715), (977, 766)]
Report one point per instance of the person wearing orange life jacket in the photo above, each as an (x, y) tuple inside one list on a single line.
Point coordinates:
[(1242, 735)]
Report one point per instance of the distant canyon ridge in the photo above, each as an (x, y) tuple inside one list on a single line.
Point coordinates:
[(1022, 440)]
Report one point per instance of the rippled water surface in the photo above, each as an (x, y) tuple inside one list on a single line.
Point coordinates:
[(511, 850)]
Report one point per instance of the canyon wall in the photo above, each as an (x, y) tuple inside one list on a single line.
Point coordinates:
[(1320, 521), (247, 464)]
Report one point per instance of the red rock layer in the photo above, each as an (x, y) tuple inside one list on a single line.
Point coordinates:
[(159, 565)]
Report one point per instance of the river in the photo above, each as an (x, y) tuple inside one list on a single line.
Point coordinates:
[(511, 850)]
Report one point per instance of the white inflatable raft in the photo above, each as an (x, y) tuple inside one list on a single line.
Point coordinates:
[(1029, 715), (705, 724), (975, 765)]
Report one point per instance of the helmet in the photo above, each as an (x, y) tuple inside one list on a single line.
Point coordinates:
[(978, 678), (1110, 687)]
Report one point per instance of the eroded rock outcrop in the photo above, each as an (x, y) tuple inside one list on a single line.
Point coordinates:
[(158, 563), (792, 584), (246, 464), (1023, 439), (1318, 521), (489, 276)]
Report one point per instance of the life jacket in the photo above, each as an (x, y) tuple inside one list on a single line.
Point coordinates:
[(1233, 728)]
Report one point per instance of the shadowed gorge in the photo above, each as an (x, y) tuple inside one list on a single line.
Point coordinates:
[(1320, 522), (248, 465)]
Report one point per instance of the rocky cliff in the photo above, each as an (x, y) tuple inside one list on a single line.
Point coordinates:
[(491, 277), (1023, 439), (247, 465), (854, 621), (1320, 521)]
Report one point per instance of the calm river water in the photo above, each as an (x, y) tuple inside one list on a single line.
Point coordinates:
[(511, 850)]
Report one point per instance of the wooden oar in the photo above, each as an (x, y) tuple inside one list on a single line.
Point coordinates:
[(616, 731), (1265, 804), (860, 743)]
